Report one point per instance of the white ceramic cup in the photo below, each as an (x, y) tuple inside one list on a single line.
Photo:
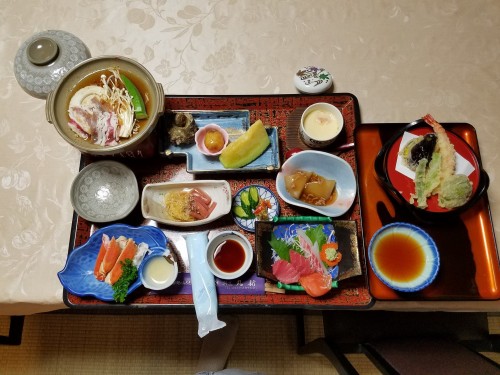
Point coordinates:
[(161, 275), (316, 134)]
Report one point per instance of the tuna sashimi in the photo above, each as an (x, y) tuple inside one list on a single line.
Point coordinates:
[(300, 263), (285, 272), (290, 272), (316, 284)]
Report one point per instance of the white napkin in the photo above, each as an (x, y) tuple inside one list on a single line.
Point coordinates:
[(463, 166)]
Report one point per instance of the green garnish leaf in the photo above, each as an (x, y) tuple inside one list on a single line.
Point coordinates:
[(129, 275), (281, 247), (316, 234)]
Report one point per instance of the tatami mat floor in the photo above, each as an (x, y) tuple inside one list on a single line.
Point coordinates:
[(163, 344)]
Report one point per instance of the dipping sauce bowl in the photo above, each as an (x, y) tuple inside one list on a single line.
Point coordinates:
[(404, 257), (158, 271), (229, 255), (320, 125)]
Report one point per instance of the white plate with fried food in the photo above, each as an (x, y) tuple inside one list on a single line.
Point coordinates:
[(186, 204)]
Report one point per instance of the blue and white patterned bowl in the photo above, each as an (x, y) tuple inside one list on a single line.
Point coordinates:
[(104, 191), (426, 244), (264, 193)]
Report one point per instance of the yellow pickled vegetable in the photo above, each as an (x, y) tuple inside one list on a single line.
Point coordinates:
[(248, 147)]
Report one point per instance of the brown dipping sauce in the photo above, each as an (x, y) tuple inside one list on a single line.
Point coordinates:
[(399, 257), (229, 256)]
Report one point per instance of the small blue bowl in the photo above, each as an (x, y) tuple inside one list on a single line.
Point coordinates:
[(264, 193), (396, 239)]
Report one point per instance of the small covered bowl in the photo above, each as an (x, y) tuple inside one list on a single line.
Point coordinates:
[(211, 139)]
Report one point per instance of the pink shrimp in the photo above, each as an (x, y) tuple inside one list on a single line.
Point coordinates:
[(444, 146)]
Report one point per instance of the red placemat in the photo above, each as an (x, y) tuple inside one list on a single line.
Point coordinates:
[(282, 112), (469, 265)]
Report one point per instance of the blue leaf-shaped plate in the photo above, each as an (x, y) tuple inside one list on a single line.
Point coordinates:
[(78, 274)]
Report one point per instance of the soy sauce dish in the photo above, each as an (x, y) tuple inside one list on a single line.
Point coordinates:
[(404, 257), (229, 255)]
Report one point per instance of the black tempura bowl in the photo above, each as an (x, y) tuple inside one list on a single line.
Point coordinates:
[(401, 186)]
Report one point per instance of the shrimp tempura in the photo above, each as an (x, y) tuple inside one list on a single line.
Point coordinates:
[(444, 147)]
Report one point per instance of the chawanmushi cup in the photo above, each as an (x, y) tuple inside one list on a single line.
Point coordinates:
[(320, 125)]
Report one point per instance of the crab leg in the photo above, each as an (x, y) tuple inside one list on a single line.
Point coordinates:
[(112, 254), (100, 257), (128, 252)]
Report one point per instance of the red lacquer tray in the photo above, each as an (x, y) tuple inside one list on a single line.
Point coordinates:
[(282, 112), (469, 260)]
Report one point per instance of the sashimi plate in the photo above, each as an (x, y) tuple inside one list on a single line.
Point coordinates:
[(78, 278), (235, 123), (343, 232)]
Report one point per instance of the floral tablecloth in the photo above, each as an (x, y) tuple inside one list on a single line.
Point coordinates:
[(401, 59)]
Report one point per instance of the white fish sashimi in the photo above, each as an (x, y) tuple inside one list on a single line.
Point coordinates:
[(311, 252)]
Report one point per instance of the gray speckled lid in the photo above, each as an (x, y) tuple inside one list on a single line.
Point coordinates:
[(44, 58)]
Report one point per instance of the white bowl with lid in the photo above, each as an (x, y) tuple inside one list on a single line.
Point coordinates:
[(312, 80)]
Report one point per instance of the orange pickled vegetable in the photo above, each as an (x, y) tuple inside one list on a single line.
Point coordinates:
[(329, 254)]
